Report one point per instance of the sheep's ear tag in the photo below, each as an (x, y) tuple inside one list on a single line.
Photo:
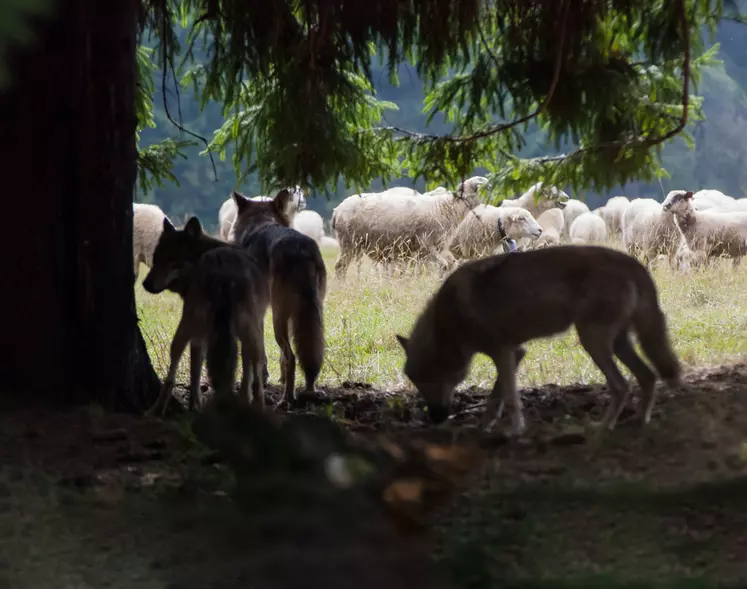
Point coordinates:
[(689, 194)]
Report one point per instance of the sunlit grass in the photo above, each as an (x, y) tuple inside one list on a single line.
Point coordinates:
[(706, 311)]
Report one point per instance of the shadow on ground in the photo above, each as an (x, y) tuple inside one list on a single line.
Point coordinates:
[(92, 499)]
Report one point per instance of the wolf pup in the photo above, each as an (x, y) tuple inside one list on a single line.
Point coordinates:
[(225, 297), (494, 305), (298, 283)]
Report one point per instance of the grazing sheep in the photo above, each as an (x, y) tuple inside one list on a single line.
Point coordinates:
[(612, 213), (685, 258), (573, 209), (393, 226), (649, 231), (588, 228), (548, 198), (552, 223), (227, 212), (711, 199), (309, 223), (717, 233), (485, 227), (147, 225), (329, 244)]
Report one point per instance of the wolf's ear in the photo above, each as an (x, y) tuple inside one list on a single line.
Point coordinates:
[(193, 227), (403, 341), (241, 201), (283, 199), (167, 226)]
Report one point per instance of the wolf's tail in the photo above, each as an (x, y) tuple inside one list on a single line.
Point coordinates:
[(651, 326), (222, 352), (307, 324)]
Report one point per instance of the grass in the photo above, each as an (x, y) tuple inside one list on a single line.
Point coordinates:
[(706, 310)]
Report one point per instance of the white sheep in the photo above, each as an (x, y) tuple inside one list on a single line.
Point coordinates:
[(309, 223), (227, 211), (710, 199), (147, 225), (588, 228), (573, 209), (612, 213), (717, 233), (552, 223), (329, 244), (394, 225), (649, 231), (485, 227), (537, 200)]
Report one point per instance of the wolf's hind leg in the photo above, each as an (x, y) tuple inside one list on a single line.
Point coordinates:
[(643, 374), (597, 340)]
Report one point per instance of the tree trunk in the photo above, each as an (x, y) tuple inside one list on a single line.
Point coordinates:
[(68, 324)]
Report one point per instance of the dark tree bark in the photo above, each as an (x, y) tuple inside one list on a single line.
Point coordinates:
[(68, 323)]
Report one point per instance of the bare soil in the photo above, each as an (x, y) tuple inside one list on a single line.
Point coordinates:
[(655, 504)]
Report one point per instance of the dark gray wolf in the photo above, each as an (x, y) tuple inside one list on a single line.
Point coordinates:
[(494, 305), (225, 296), (298, 283)]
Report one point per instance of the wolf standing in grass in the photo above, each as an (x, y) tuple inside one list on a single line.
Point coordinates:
[(225, 298), (298, 283), (494, 305)]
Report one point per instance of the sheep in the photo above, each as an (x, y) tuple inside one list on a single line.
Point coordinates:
[(573, 209), (649, 231), (485, 227), (612, 213), (147, 225), (552, 223), (309, 223), (393, 225), (588, 228), (717, 233), (227, 211), (549, 198), (709, 199), (329, 244)]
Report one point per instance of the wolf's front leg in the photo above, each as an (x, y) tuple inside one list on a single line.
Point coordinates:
[(178, 345), (195, 372)]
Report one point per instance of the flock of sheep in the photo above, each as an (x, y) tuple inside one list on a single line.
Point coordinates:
[(400, 225)]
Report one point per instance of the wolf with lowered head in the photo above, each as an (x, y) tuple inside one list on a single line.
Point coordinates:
[(298, 283), (496, 304), (225, 296)]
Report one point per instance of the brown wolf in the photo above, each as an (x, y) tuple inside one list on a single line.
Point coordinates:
[(494, 305), (298, 283), (225, 298)]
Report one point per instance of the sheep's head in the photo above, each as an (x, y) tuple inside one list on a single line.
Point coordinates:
[(175, 256), (548, 197), (251, 213), (520, 224), (469, 190), (677, 201)]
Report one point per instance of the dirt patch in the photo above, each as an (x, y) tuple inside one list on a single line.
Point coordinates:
[(563, 501)]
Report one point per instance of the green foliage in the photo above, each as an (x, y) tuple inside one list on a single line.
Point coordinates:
[(155, 162), (265, 129), (16, 29), (611, 84)]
